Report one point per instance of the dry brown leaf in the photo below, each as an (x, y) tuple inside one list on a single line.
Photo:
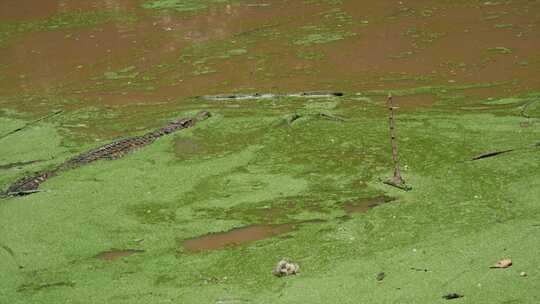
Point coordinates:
[(504, 263)]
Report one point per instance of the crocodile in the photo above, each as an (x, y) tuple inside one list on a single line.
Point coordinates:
[(111, 151), (308, 94)]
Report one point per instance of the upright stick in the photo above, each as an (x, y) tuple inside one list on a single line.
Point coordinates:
[(396, 180)]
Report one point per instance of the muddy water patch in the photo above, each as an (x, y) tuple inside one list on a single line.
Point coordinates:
[(42, 59), (364, 205), (449, 51), (241, 236), (115, 254), (235, 237)]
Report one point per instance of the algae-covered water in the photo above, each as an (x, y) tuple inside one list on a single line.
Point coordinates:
[(204, 214)]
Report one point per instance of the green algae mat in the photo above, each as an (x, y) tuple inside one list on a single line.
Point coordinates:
[(204, 214), (461, 217)]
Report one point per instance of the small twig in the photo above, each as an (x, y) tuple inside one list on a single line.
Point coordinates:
[(31, 123), (495, 153), (452, 296), (12, 254), (491, 154)]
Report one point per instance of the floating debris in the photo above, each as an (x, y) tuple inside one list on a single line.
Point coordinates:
[(452, 296), (504, 263), (285, 268)]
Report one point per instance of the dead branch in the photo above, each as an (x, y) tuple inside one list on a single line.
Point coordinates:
[(495, 153), (396, 180)]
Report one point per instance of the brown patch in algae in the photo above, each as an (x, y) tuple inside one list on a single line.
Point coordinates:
[(365, 205), (235, 237), (115, 254)]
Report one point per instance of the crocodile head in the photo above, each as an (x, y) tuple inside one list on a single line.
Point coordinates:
[(184, 122)]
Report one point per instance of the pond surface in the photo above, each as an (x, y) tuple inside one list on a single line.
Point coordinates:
[(465, 77), (114, 53)]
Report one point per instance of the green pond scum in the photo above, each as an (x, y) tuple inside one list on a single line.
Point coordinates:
[(262, 180)]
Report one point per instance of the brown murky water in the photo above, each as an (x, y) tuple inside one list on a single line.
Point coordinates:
[(451, 42), (235, 237), (21, 10), (365, 205), (115, 254)]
